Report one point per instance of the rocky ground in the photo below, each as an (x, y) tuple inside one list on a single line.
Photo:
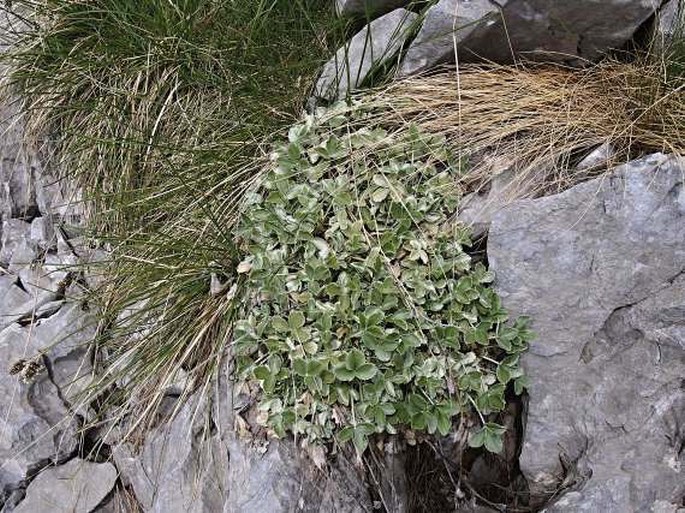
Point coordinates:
[(599, 268), (44, 335)]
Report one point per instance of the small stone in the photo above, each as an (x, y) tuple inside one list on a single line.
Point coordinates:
[(42, 234), (23, 256), (601, 155), (16, 236), (65, 338), (17, 191), (42, 280), (14, 301), (477, 209), (78, 486)]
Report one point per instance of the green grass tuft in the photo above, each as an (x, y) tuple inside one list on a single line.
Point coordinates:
[(137, 93), (159, 111)]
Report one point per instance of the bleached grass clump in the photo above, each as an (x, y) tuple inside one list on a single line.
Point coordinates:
[(541, 120)]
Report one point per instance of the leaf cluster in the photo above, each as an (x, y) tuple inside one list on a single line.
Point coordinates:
[(365, 314)]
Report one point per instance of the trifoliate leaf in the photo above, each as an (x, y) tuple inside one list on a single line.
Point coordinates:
[(279, 324), (262, 372), (343, 373), (300, 366)]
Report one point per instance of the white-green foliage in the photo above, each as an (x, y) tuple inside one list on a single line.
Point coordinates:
[(364, 314)]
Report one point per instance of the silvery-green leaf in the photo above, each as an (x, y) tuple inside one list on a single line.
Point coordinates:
[(380, 195), (322, 246), (366, 371)]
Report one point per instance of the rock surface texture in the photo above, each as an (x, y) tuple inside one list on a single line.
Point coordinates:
[(44, 332), (446, 24), (375, 45), (600, 270), (75, 487), (562, 31), (185, 467), (669, 21), (571, 31)]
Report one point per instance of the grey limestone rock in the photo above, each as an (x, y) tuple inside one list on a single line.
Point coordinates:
[(602, 155), (186, 467), (600, 270), (34, 425), (503, 30), (561, 31), (376, 44), (181, 466), (669, 22), (446, 24), (282, 480), (78, 486), (42, 367), (359, 7), (16, 239), (17, 188), (477, 209)]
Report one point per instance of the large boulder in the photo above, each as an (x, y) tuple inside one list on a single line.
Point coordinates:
[(600, 270), (375, 45), (549, 29), (501, 30)]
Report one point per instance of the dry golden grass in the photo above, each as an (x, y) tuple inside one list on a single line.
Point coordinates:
[(539, 121)]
